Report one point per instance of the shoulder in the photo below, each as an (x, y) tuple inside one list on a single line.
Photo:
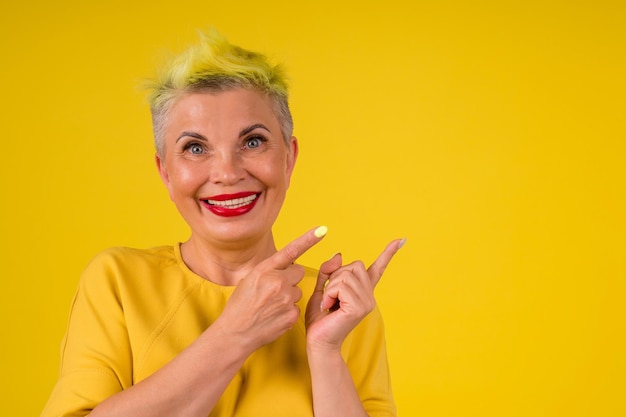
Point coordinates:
[(125, 255), (113, 265)]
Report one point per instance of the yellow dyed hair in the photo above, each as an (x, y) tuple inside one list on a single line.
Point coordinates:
[(211, 66)]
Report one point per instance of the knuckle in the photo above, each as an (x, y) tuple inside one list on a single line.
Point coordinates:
[(342, 275), (359, 264), (273, 286), (294, 315), (298, 294), (291, 251)]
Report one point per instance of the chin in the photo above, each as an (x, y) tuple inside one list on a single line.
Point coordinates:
[(236, 232)]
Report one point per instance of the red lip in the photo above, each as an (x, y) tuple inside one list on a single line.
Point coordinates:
[(231, 210)]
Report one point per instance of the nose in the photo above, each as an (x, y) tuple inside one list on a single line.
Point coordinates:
[(226, 169)]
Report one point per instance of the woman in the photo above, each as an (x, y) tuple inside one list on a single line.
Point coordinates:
[(224, 324)]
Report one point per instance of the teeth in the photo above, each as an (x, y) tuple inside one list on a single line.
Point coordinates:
[(234, 203)]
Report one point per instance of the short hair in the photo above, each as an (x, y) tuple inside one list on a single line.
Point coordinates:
[(215, 65)]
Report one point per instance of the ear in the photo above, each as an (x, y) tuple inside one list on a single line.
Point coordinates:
[(292, 156), (162, 172)]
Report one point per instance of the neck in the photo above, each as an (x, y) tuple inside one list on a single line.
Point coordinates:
[(226, 263)]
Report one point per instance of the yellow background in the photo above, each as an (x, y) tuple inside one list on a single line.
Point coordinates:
[(490, 134)]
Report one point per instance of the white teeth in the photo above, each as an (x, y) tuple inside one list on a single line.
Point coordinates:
[(234, 203)]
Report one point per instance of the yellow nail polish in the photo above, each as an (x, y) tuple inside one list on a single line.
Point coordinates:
[(320, 231)]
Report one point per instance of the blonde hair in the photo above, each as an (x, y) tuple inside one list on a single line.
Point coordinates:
[(215, 65)]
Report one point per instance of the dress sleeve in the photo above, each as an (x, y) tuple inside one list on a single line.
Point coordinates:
[(366, 357), (96, 359)]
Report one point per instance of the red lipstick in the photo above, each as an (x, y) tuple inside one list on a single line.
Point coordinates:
[(231, 205)]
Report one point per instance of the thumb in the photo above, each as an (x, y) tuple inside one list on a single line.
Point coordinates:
[(326, 270)]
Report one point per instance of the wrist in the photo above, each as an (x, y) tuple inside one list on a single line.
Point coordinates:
[(322, 363), (235, 344), (315, 348)]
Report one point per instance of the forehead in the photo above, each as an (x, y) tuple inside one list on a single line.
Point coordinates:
[(224, 107)]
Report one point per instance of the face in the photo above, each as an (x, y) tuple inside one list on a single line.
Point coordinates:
[(226, 164)]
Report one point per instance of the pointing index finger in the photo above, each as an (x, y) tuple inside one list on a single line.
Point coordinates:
[(380, 264), (296, 248)]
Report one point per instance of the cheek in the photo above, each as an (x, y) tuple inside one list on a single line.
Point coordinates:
[(185, 179), (274, 174)]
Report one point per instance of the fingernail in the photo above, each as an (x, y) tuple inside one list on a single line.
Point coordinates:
[(321, 306), (320, 231), (402, 242)]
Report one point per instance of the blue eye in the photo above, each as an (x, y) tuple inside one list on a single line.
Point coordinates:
[(195, 148), (254, 142)]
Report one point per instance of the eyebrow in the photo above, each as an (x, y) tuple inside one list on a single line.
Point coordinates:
[(191, 134), (252, 127)]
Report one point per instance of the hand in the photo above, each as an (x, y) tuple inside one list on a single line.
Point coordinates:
[(263, 306), (336, 307)]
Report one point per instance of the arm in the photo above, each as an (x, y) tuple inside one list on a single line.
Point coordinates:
[(334, 392), (365, 357), (335, 310), (190, 385)]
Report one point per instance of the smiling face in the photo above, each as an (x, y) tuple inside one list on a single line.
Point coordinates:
[(226, 165)]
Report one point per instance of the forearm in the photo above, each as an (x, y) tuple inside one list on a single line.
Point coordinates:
[(189, 385), (334, 392)]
